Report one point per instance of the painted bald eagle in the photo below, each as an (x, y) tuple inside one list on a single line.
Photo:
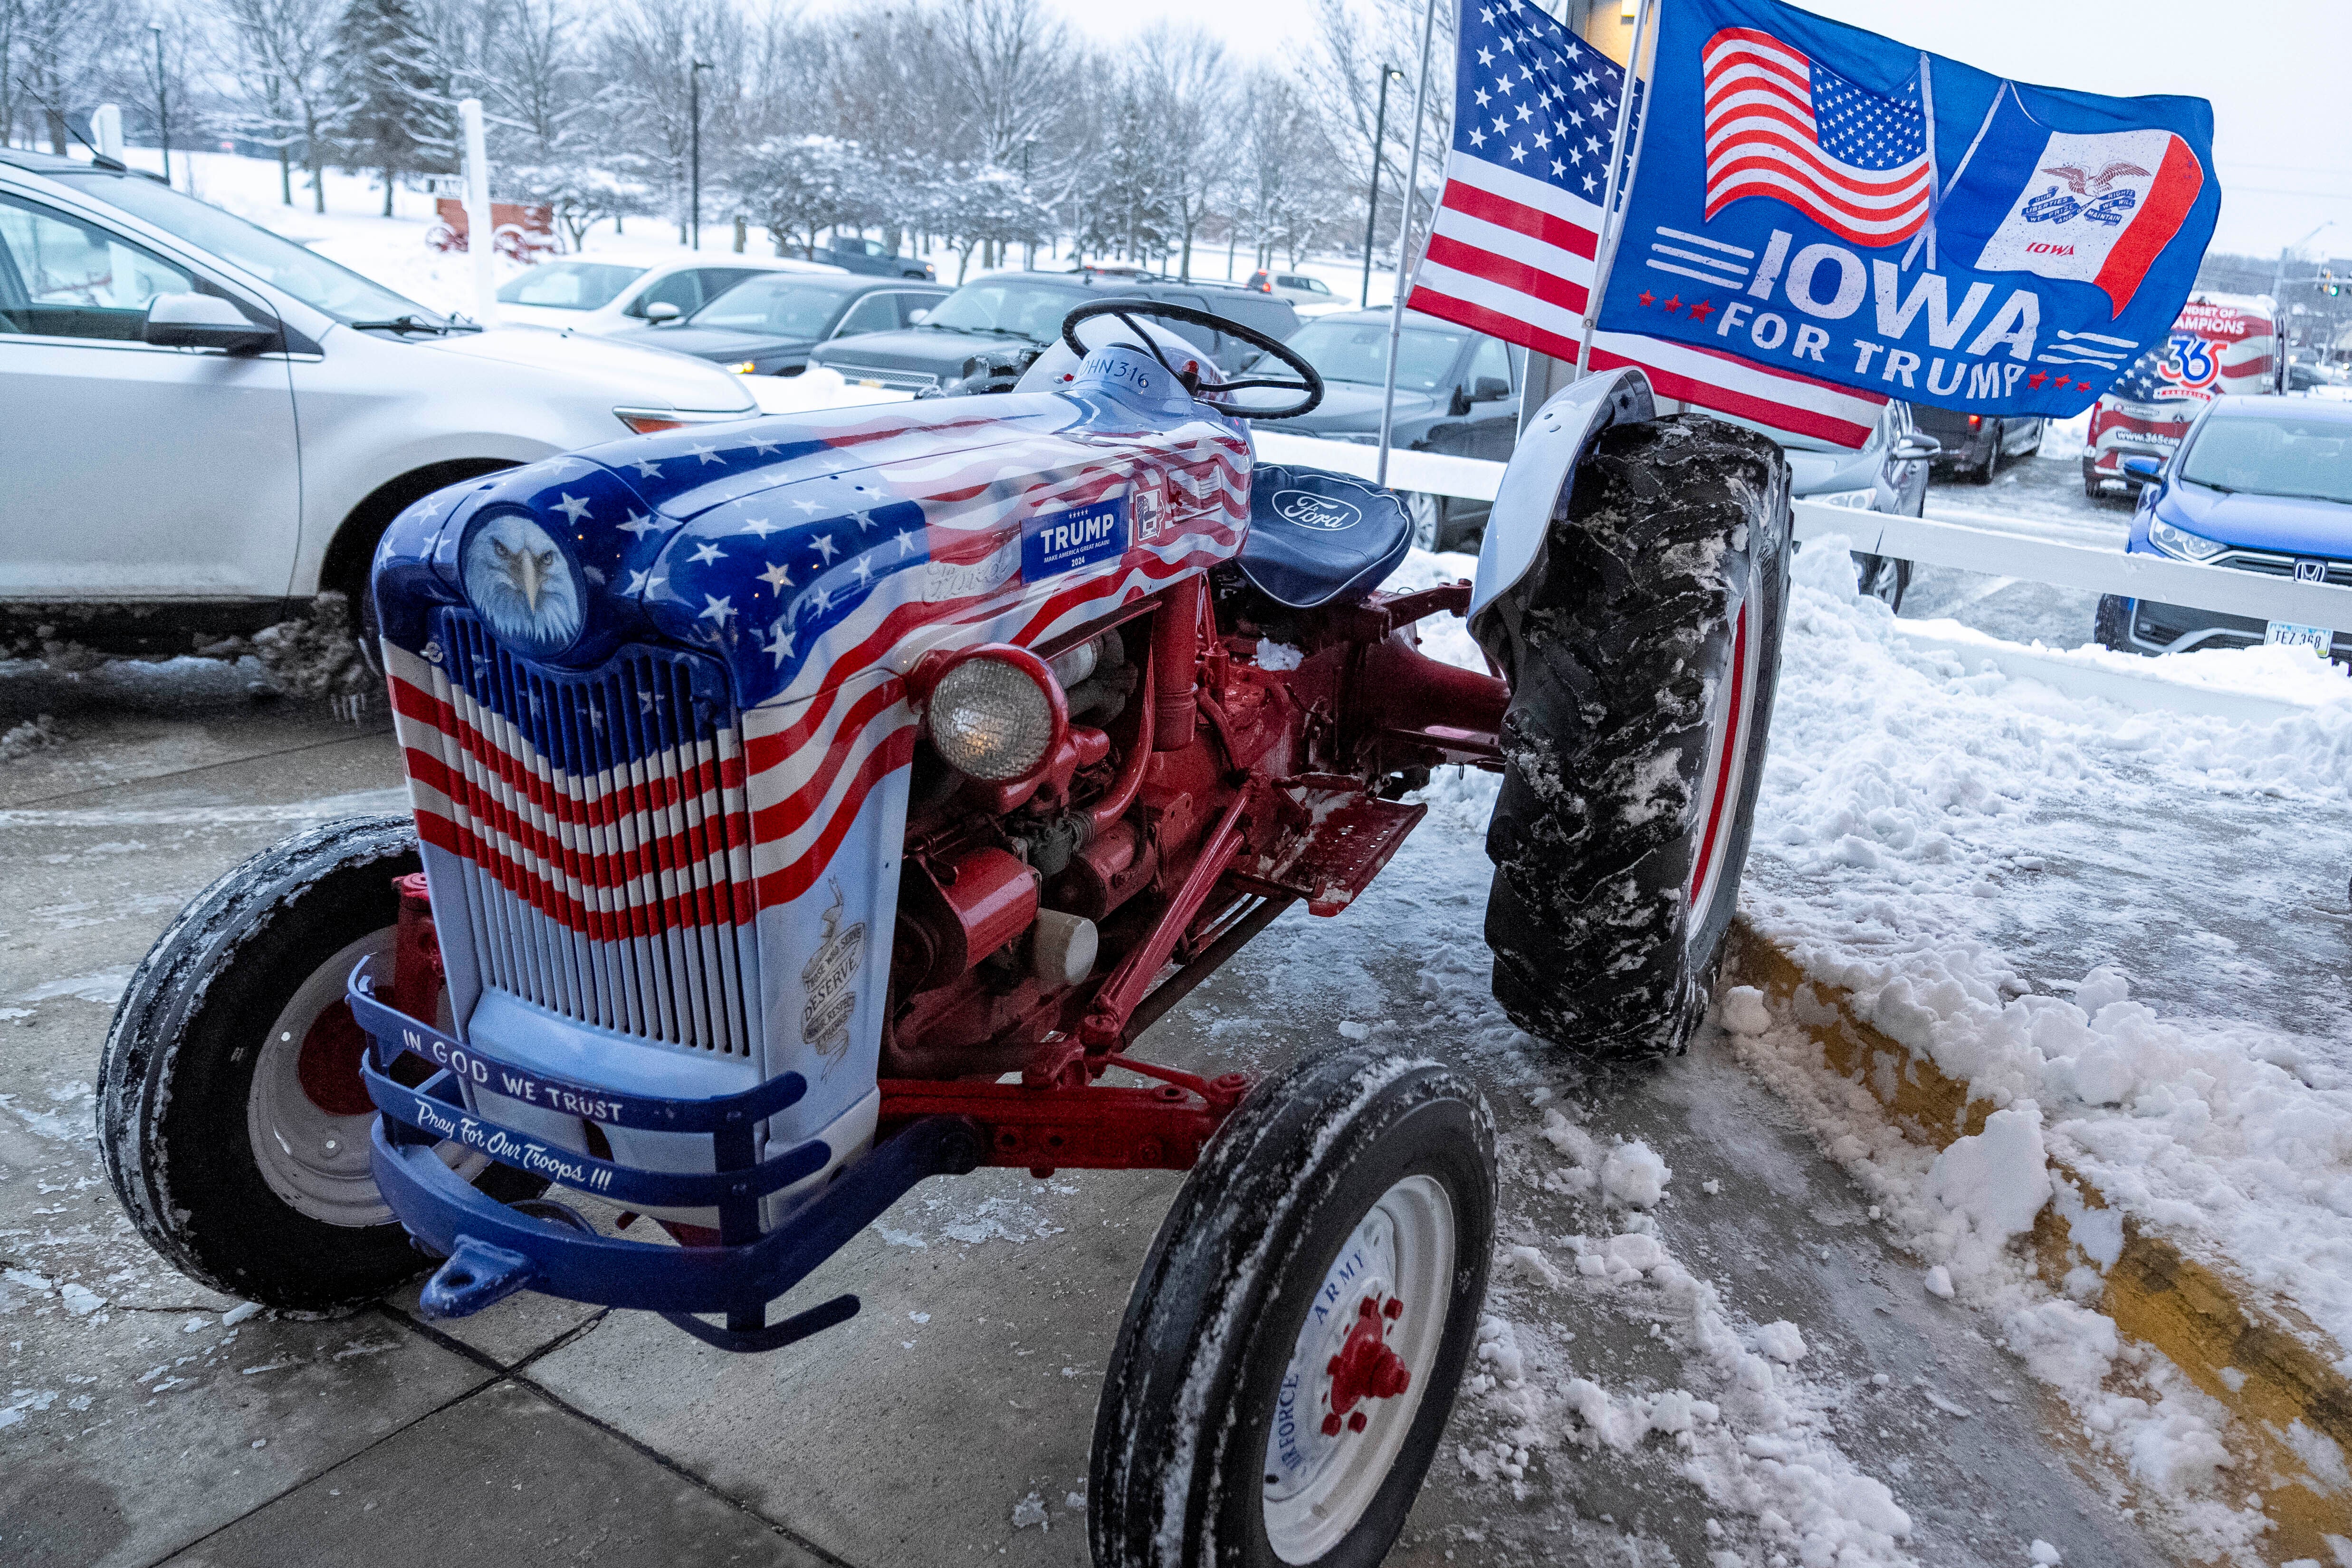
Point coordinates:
[(2084, 182), (519, 582)]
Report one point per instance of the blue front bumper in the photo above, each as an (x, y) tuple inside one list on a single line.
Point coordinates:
[(494, 1250)]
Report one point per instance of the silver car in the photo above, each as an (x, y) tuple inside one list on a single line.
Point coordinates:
[(207, 418)]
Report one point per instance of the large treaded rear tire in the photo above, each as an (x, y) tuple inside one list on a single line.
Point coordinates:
[(1622, 803)]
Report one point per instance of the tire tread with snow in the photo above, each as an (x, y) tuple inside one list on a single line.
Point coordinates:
[(1618, 644), (181, 1058), (1191, 1395)]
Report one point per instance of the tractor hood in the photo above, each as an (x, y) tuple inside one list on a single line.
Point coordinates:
[(798, 549)]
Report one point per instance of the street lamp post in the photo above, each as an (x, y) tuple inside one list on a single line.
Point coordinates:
[(162, 105), (1028, 145), (1373, 218), (694, 113)]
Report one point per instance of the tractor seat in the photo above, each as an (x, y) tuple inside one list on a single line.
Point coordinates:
[(1316, 536)]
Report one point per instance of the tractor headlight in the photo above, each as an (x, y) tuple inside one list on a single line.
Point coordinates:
[(995, 713)]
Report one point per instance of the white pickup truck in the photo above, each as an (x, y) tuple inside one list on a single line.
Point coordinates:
[(206, 424)]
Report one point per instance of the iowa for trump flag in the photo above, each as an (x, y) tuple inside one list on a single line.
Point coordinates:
[(1511, 248), (1817, 200)]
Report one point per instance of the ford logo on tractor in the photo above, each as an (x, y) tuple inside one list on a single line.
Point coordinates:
[(1310, 511)]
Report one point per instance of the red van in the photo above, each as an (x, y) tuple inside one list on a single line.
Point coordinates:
[(2221, 345)]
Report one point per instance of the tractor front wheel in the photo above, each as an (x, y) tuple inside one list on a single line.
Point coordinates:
[(1293, 1345), (231, 1115), (1641, 649)]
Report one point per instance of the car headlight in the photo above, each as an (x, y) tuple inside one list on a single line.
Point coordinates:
[(2180, 542), (645, 421), (744, 367), (1865, 500), (993, 712)]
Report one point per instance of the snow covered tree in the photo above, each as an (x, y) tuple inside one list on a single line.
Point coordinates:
[(800, 184), (58, 53), (280, 55), (389, 114)]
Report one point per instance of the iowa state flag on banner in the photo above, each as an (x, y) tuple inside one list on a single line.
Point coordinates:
[(1821, 201)]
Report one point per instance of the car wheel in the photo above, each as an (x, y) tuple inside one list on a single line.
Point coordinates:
[(2111, 628), (1642, 650), (1427, 514), (1983, 472), (1294, 1344), (1883, 577)]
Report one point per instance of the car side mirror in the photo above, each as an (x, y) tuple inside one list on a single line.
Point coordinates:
[(1915, 446), (205, 321), (662, 310), (916, 318), (1489, 389), (2141, 468)]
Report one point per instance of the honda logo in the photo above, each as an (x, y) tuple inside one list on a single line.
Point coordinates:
[(2311, 571)]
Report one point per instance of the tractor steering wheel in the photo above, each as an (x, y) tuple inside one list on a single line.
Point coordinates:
[(1127, 310)]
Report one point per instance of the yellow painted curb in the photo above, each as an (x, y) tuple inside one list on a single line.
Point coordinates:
[(2281, 1371)]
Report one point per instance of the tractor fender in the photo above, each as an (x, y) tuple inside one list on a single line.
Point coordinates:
[(1535, 482)]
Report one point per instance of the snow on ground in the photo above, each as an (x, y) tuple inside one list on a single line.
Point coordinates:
[(1935, 836), (1912, 815)]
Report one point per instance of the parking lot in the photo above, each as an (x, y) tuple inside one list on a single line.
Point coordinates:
[(950, 1421)]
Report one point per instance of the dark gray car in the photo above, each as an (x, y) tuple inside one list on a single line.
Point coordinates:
[(767, 326), (989, 328), (1458, 393), (868, 256), (1974, 444)]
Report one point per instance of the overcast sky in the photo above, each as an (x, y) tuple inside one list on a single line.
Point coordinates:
[(2274, 69)]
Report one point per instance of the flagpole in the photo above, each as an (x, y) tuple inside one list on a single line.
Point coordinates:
[(1612, 223), (1404, 234), (1935, 186)]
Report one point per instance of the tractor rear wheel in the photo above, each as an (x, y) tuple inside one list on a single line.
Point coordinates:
[(1291, 1351), (1641, 649)]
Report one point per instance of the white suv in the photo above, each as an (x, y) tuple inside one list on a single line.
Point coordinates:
[(203, 416)]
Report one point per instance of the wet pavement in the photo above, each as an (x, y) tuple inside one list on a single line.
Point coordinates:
[(950, 1420)]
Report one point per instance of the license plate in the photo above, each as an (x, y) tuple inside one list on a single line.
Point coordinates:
[(2287, 634), (869, 381)]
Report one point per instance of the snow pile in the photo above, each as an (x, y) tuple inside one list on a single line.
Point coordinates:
[(35, 734), (1754, 1437), (1909, 816)]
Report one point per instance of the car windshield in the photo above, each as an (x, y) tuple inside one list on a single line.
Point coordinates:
[(1008, 308), (2273, 454), (787, 306), (1357, 352), (310, 277), (570, 285)]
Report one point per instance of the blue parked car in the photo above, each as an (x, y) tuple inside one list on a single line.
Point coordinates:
[(2260, 484)]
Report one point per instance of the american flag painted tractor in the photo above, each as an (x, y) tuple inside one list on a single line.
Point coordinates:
[(811, 806)]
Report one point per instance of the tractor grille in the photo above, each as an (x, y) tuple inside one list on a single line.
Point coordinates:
[(607, 845)]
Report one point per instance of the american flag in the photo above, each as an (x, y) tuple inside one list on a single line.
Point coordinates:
[(1511, 249), (1779, 125)]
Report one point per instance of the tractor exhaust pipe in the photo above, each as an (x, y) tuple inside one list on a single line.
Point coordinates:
[(1175, 653)]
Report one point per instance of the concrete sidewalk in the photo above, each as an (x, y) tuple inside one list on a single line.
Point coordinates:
[(950, 1421)]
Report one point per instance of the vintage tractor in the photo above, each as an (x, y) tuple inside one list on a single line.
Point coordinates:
[(806, 807)]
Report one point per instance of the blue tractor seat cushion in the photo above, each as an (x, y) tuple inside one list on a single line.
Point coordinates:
[(1316, 536)]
